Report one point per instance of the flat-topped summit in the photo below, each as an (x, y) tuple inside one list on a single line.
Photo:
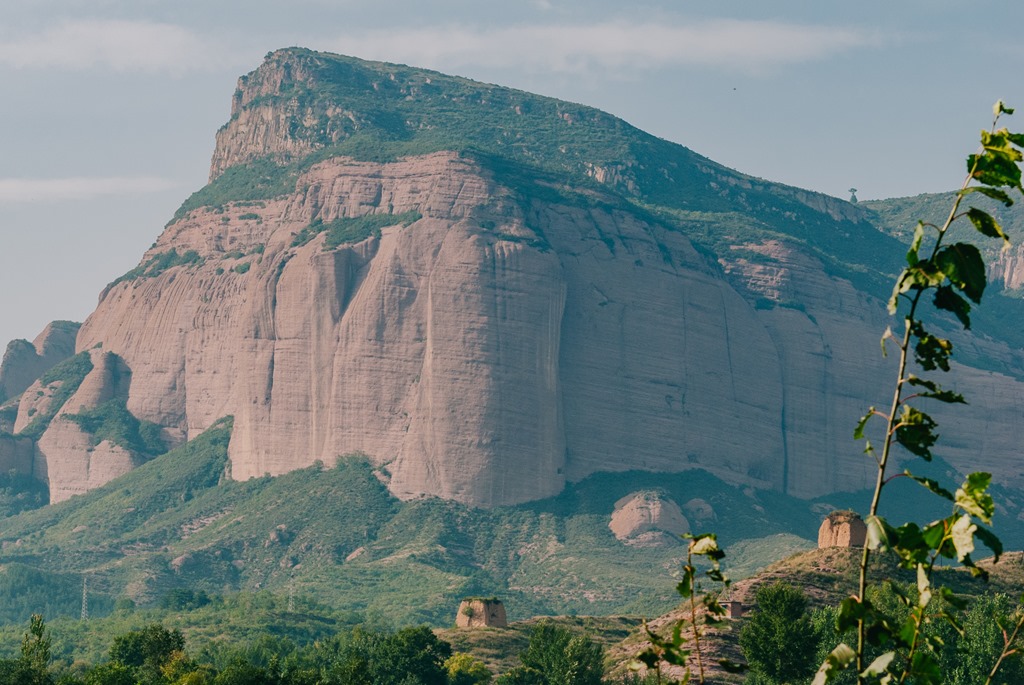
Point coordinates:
[(489, 293)]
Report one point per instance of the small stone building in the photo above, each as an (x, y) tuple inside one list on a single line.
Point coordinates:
[(733, 609), (475, 612), (842, 529)]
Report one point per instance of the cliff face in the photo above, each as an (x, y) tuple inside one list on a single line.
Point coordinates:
[(24, 362), (489, 365), (484, 335)]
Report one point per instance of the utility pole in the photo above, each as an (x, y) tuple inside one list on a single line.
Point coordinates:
[(85, 597)]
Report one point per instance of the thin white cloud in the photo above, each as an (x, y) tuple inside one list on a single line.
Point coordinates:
[(28, 190), (732, 44), (121, 45)]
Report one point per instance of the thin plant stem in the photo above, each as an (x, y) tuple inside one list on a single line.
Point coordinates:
[(1008, 649), (891, 426)]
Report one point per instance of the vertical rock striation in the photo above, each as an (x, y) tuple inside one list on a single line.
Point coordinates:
[(483, 330)]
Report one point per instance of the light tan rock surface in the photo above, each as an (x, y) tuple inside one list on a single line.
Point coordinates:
[(24, 362), (647, 518), (67, 458), (475, 366)]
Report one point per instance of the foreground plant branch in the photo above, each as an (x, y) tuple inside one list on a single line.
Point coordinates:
[(704, 611), (954, 277)]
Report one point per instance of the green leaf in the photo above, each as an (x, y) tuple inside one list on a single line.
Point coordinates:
[(952, 599), (706, 545), (993, 193), (925, 669), (973, 497), (879, 666), (963, 537), (837, 661), (930, 352), (909, 544), (851, 610), (915, 245), (932, 485), (933, 534), (999, 108), (964, 267), (987, 225), (915, 432), (878, 533), (858, 432), (999, 143), (948, 300), (994, 169), (730, 666), (935, 391), (924, 587), (685, 585), (989, 539)]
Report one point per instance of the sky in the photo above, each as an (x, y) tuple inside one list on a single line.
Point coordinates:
[(110, 107)]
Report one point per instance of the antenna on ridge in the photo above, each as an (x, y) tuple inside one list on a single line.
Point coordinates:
[(85, 597)]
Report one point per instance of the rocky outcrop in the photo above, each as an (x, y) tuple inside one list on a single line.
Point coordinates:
[(491, 350), (1008, 268), (67, 458), (647, 519), (481, 613), (842, 529), (24, 362)]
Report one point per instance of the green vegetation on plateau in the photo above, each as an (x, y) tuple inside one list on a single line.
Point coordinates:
[(374, 111), (344, 230), (158, 263)]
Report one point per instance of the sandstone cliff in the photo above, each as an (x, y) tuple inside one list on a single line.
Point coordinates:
[(485, 331), (24, 362)]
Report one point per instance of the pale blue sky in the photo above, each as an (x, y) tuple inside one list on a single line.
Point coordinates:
[(110, 106)]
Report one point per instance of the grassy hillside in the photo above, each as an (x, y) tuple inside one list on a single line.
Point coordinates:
[(336, 536)]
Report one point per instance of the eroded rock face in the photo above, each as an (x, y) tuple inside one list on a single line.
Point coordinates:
[(646, 519), (24, 362), (67, 458), (488, 351)]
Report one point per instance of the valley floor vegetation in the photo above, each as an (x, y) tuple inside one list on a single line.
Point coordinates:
[(156, 655)]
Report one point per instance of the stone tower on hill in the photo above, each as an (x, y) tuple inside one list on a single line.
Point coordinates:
[(475, 612), (842, 529)]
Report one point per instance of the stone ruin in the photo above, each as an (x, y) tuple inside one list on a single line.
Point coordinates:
[(733, 608), (475, 612), (842, 529)]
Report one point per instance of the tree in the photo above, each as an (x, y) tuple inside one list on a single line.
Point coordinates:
[(464, 669), (154, 644), (562, 658), (968, 658), (952, 276), (777, 639), (522, 675), (410, 652), (35, 652)]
